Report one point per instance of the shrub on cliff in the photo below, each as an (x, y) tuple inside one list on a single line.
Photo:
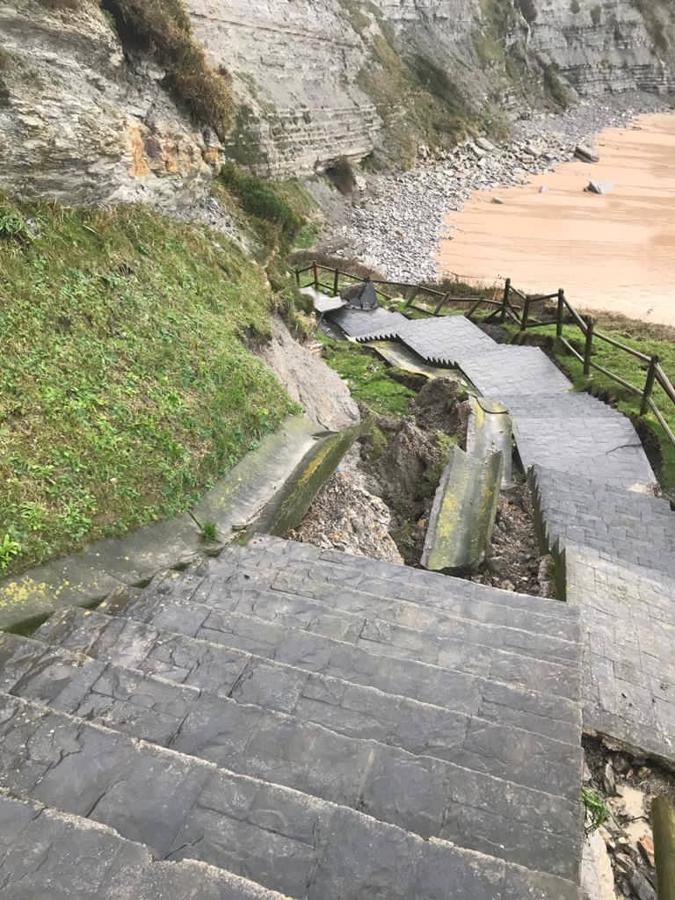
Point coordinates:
[(163, 28), (277, 219)]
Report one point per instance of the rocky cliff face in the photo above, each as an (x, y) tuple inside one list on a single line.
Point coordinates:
[(316, 80), (82, 125)]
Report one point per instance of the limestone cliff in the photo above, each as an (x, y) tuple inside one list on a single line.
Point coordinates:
[(84, 121)]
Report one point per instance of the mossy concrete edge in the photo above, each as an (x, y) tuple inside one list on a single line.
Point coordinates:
[(87, 577), (463, 513)]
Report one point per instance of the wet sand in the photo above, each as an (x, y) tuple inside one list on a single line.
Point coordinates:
[(611, 252)]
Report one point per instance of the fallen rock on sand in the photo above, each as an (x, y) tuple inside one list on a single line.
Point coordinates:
[(599, 187)]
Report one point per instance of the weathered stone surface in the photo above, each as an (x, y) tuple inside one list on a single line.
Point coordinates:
[(463, 513), (347, 614), (605, 449), (353, 772), (344, 704), (50, 854), (282, 839), (623, 525), (628, 619), (370, 649)]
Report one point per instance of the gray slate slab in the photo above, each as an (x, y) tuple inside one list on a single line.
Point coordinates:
[(628, 620), (377, 647), (607, 450), (310, 758), (341, 703), (624, 525), (357, 322), (45, 853), (184, 808), (347, 614)]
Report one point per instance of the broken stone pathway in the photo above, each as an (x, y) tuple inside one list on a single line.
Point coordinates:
[(613, 539), (285, 720)]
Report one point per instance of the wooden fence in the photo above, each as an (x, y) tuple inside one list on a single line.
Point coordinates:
[(525, 310)]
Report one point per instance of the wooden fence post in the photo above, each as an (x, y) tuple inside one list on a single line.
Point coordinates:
[(561, 313), (336, 282), (649, 385), (505, 301), (663, 825), (588, 349), (526, 314), (441, 303), (297, 277), (316, 276)]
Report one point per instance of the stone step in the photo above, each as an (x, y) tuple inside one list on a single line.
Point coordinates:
[(282, 563), (184, 808), (609, 450), (506, 752), (366, 651), (347, 703), (431, 794), (624, 525), (508, 370), (559, 405), (347, 616), (58, 856)]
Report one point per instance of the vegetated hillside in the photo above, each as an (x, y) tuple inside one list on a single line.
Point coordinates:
[(127, 383)]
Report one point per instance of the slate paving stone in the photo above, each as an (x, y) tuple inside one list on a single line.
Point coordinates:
[(49, 854), (190, 809), (339, 703), (447, 341), (628, 622), (376, 649), (350, 615), (224, 730), (309, 758), (624, 525), (609, 451), (356, 322)]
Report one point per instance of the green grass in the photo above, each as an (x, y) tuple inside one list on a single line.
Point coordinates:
[(595, 809), (126, 385), (630, 369), (367, 377)]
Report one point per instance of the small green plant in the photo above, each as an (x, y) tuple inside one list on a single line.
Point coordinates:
[(596, 809), (9, 548), (12, 225), (209, 532), (263, 200)]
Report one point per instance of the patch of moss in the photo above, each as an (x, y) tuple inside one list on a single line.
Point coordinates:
[(367, 377), (127, 384)]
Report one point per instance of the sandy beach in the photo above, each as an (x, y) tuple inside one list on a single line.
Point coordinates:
[(612, 252)]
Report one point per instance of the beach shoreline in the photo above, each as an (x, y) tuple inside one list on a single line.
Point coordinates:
[(613, 252), (395, 223)]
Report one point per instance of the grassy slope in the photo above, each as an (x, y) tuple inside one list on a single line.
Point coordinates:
[(126, 385), (367, 376)]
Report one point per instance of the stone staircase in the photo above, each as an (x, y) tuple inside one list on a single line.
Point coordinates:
[(594, 489), (633, 528), (291, 720)]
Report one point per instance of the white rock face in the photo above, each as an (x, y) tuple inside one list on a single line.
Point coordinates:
[(78, 124)]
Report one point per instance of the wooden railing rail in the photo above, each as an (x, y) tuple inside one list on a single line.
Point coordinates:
[(517, 306)]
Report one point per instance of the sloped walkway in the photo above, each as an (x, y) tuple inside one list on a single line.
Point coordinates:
[(614, 540), (283, 716)]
